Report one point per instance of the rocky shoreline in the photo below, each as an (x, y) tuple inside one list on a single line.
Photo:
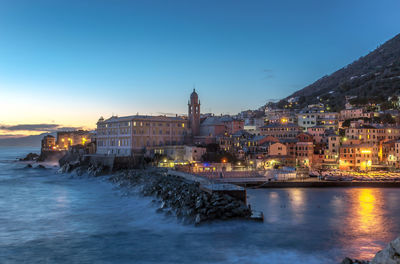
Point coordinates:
[(175, 195)]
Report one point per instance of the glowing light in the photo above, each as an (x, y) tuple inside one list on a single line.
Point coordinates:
[(366, 151)]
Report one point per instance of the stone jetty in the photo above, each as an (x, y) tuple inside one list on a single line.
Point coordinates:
[(181, 197)]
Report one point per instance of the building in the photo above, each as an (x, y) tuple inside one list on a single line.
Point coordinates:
[(372, 134), (397, 153), (304, 154), (358, 157), (306, 120), (317, 133), (290, 147), (329, 120), (304, 137), (215, 126), (181, 153), (277, 149), (194, 113), (124, 136), (281, 130), (353, 114), (347, 157), (273, 116), (48, 143), (67, 139), (388, 154), (332, 148)]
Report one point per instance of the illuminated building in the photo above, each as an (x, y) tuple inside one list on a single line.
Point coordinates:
[(304, 154), (329, 120), (373, 135), (66, 139), (397, 153), (181, 153), (48, 143), (123, 136), (362, 157)]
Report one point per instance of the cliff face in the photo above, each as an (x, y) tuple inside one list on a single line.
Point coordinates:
[(372, 78)]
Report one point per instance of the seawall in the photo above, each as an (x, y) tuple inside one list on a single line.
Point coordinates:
[(318, 184)]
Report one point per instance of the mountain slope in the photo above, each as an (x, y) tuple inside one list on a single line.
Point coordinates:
[(372, 78)]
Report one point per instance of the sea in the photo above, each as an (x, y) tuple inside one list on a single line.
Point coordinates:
[(46, 217)]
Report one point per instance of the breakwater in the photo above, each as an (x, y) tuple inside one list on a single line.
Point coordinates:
[(182, 197)]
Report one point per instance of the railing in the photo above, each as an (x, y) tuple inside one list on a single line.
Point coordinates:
[(262, 174), (230, 174)]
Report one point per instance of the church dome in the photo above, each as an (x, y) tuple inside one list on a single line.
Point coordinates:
[(194, 95)]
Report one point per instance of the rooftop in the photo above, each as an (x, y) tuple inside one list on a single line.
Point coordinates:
[(279, 125), (143, 117)]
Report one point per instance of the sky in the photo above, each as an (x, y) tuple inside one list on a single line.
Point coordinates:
[(66, 63)]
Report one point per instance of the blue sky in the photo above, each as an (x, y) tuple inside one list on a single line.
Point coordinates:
[(69, 62)]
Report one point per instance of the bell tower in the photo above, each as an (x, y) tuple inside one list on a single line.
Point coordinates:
[(194, 113)]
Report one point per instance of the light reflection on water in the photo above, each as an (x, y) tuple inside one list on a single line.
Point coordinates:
[(365, 221), (297, 204), (355, 222)]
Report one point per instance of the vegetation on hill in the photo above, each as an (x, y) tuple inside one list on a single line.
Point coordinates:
[(370, 79)]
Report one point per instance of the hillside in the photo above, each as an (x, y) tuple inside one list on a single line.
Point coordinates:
[(372, 78), (28, 141)]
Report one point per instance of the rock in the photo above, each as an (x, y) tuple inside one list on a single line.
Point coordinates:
[(389, 255), (197, 220), (28, 166), (30, 157), (347, 260), (177, 196), (40, 166)]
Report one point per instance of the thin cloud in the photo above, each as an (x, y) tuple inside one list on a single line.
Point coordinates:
[(268, 74), (30, 127), (37, 127)]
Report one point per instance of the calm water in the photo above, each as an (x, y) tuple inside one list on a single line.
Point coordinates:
[(51, 218)]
